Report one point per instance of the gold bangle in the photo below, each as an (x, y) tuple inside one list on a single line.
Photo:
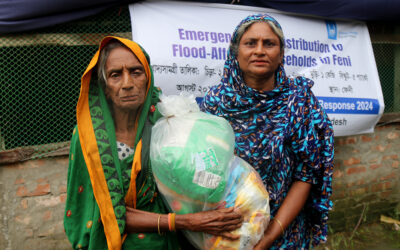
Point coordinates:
[(169, 222), (280, 224), (173, 222), (158, 225)]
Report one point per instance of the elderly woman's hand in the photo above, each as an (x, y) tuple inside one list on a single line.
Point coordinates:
[(219, 222)]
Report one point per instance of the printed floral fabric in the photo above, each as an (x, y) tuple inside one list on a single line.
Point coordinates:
[(286, 136)]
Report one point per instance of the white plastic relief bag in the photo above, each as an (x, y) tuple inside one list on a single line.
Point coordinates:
[(195, 169)]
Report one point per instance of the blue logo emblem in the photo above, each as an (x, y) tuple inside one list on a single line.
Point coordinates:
[(331, 28)]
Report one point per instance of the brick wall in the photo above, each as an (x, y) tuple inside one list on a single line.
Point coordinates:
[(366, 178), (366, 184), (32, 198)]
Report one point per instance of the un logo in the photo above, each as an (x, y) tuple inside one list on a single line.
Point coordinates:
[(331, 28)]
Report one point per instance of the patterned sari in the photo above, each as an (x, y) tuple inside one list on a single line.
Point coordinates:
[(100, 185), (286, 136)]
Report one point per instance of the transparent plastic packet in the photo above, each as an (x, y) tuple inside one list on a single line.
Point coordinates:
[(195, 169)]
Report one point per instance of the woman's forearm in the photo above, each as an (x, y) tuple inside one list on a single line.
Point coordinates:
[(290, 208), (216, 222), (139, 221)]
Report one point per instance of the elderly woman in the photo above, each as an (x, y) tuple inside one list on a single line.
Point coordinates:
[(280, 129), (112, 198)]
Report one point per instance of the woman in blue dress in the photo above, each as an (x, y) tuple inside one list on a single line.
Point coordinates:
[(280, 129)]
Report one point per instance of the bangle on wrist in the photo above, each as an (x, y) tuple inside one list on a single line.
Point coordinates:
[(158, 225), (171, 222), (173, 229), (280, 224)]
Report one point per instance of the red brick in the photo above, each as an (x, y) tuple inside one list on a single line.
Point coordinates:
[(40, 190), (340, 142), (63, 197), (356, 170), (351, 161), (382, 127), (39, 162), (382, 148), (386, 194), (381, 186), (19, 181), (337, 186), (338, 182), (395, 164), (22, 191), (365, 138), (387, 185), (375, 166), (24, 203), (359, 191), (390, 157), (392, 135), (377, 187), (47, 215), (49, 232), (390, 176), (23, 220), (351, 140), (338, 195), (41, 180), (356, 183), (62, 188), (337, 174), (374, 180)]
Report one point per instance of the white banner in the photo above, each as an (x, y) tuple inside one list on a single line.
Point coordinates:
[(188, 42)]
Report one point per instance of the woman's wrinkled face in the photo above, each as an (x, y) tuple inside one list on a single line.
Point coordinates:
[(259, 52), (126, 80)]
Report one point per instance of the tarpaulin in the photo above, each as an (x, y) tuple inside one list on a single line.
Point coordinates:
[(25, 15)]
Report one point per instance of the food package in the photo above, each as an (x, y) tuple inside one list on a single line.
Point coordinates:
[(195, 169)]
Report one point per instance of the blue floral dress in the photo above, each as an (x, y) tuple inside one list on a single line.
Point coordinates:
[(286, 136)]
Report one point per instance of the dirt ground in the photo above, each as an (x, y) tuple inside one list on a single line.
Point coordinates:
[(376, 236)]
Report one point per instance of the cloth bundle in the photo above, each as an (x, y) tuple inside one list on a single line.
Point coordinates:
[(195, 169)]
